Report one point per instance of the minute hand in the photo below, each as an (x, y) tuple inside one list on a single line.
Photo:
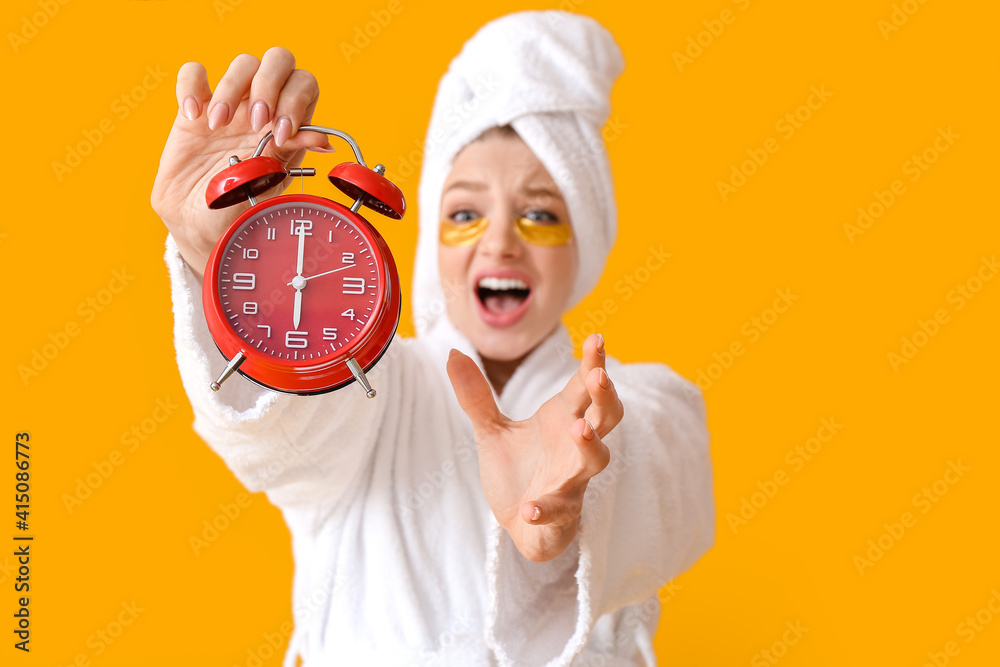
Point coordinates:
[(349, 266)]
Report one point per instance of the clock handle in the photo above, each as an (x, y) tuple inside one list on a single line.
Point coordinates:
[(322, 130), (359, 375), (230, 369)]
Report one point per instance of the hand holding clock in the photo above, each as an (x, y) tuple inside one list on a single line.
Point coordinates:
[(251, 95)]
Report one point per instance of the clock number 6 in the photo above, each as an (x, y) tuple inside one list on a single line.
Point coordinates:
[(296, 339)]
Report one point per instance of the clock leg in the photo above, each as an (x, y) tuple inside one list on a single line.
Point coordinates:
[(359, 375), (230, 369)]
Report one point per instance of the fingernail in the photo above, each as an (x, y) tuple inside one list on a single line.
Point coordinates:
[(323, 149), (259, 115), (538, 513), (588, 432), (603, 379), (218, 115), (600, 343), (282, 130), (190, 108)]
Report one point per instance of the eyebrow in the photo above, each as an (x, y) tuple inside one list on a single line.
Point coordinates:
[(466, 185), (530, 190), (542, 190)]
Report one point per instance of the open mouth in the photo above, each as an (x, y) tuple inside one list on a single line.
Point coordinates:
[(502, 295), (503, 300)]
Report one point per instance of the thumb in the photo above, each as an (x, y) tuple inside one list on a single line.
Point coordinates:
[(558, 509), (473, 392)]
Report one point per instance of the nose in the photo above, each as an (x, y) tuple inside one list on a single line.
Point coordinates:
[(500, 241)]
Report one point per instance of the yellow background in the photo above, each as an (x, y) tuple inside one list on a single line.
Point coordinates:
[(826, 357)]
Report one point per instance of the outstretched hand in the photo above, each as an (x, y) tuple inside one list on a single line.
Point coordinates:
[(535, 472)]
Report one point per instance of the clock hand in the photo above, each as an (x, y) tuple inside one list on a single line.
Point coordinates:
[(349, 266), (297, 312), (298, 282), (302, 245)]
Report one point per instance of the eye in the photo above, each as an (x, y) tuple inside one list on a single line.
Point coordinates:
[(463, 215), (541, 216)]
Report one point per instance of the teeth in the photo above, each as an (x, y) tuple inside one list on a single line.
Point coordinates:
[(498, 284)]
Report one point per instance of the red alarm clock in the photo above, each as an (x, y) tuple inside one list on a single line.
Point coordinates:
[(301, 293)]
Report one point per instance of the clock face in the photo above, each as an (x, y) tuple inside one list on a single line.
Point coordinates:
[(299, 281)]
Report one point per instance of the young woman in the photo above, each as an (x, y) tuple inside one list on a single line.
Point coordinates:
[(499, 502)]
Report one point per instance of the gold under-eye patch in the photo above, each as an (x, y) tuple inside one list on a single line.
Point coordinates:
[(458, 234), (543, 234)]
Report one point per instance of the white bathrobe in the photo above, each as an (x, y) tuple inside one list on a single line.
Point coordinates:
[(398, 558)]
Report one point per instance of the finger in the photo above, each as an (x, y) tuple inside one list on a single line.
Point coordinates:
[(563, 507), (473, 392), (575, 392), (594, 454), (193, 91), (295, 105), (606, 409), (275, 68), (234, 86), (553, 509)]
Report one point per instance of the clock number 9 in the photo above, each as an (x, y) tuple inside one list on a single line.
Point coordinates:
[(246, 281)]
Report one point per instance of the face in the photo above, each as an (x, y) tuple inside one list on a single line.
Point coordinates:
[(510, 294)]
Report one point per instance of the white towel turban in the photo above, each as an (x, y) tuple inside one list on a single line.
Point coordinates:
[(548, 75)]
